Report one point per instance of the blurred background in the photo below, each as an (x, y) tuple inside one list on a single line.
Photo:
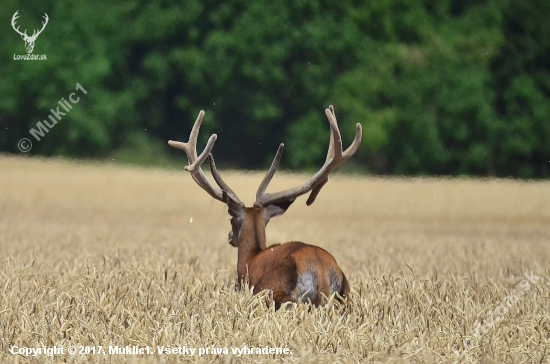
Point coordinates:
[(441, 87)]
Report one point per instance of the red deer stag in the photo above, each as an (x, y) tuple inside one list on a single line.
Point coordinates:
[(293, 271)]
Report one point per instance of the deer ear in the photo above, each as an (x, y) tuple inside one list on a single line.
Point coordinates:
[(276, 209)]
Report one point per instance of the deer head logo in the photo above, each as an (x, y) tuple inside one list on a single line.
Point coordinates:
[(29, 41)]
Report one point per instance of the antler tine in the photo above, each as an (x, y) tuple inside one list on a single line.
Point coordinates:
[(193, 137), (44, 23), (343, 156), (335, 145), (271, 172), (330, 152), (335, 157), (13, 25), (334, 134), (356, 142), (219, 180), (194, 162), (202, 157)]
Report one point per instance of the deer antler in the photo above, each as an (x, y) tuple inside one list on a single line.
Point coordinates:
[(335, 157), (35, 33), (13, 20), (218, 178), (44, 23), (194, 167)]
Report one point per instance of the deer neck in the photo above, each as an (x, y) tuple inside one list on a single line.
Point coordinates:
[(251, 243)]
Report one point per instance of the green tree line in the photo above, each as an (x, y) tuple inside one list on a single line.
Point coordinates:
[(441, 87)]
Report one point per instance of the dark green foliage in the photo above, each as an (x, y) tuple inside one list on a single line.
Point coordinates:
[(441, 87)]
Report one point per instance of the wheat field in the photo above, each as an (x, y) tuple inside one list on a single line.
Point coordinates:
[(441, 270)]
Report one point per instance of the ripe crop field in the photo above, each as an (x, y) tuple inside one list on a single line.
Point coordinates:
[(102, 255)]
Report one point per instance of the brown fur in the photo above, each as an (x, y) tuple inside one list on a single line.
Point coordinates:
[(293, 271)]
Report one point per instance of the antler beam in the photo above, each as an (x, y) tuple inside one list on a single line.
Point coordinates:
[(195, 162), (335, 157), (13, 21), (44, 23)]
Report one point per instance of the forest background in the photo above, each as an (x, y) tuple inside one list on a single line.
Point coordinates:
[(441, 87)]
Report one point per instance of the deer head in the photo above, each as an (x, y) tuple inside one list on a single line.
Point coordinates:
[(293, 271), (29, 41)]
